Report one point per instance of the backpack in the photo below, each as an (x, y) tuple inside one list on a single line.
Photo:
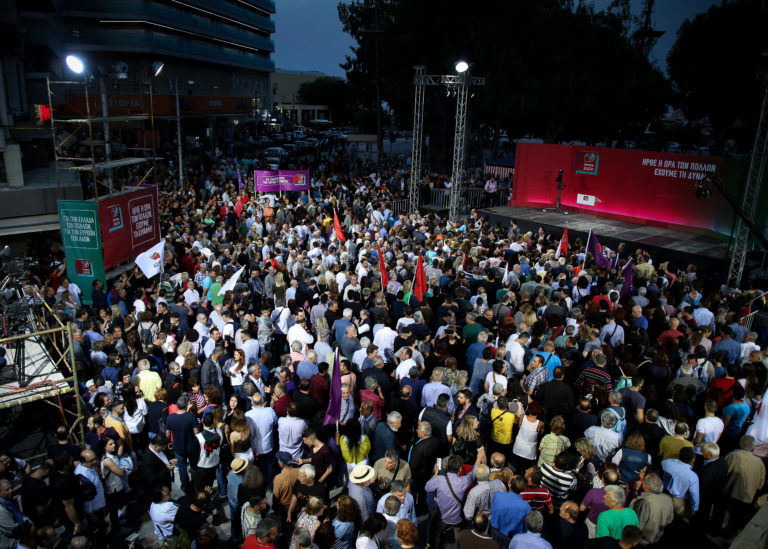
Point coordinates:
[(621, 421), (85, 487), (146, 333), (212, 441)]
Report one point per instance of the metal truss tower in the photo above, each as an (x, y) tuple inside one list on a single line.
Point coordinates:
[(461, 83), (755, 175), (418, 139), (457, 173)]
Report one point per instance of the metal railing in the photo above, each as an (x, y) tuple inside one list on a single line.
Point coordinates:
[(399, 206), (439, 199), (747, 320)]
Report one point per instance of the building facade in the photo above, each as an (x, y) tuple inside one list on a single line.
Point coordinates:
[(217, 57)]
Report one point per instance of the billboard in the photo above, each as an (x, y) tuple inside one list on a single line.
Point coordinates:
[(641, 186), (129, 224), (81, 236), (283, 180)]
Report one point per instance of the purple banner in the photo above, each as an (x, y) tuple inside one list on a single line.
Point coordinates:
[(284, 180), (266, 181)]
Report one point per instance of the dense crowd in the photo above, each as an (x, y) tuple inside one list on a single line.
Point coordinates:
[(520, 401)]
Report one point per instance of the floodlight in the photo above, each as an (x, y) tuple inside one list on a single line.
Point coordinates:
[(462, 66), (75, 64)]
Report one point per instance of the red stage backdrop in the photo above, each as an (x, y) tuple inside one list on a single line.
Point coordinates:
[(129, 224), (642, 186)]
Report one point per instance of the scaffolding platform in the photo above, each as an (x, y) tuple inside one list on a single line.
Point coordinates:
[(40, 369)]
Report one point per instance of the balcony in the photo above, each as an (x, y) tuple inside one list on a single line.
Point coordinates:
[(145, 41), (176, 18)]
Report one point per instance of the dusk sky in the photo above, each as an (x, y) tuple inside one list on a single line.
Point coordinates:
[(309, 37)]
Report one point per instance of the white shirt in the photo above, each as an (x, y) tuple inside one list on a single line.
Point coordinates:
[(201, 329), (710, 427), (404, 367), (515, 354), (385, 340), (237, 377), (746, 349), (262, 421), (135, 422), (298, 333), (280, 318), (604, 440), (163, 515), (405, 321), (192, 297), (359, 357), (140, 307), (74, 290)]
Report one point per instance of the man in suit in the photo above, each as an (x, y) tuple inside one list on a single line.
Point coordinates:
[(156, 469), (385, 436), (713, 473), (421, 459)]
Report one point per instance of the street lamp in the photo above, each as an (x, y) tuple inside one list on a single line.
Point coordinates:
[(75, 64), (461, 66), (157, 66)]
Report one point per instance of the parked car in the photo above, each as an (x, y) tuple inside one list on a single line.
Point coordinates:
[(275, 152)]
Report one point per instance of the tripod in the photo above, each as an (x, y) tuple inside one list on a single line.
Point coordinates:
[(558, 206)]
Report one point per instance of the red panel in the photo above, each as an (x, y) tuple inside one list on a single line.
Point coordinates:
[(643, 186), (129, 224)]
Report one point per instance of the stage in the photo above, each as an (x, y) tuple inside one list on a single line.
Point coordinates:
[(679, 247)]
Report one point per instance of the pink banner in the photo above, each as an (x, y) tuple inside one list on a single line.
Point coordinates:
[(283, 180)]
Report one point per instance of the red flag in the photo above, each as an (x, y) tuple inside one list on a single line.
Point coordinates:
[(562, 249), (383, 269), (239, 209), (420, 280), (337, 228)]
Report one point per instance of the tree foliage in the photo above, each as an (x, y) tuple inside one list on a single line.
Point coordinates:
[(554, 69), (714, 63), (334, 92)]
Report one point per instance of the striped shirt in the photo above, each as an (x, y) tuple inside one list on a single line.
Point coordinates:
[(592, 376), (537, 497), (559, 483)]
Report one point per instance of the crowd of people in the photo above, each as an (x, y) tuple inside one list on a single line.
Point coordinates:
[(520, 401)]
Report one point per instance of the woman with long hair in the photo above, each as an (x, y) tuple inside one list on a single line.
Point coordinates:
[(240, 436), (135, 415), (467, 439), (354, 445), (112, 474), (345, 521)]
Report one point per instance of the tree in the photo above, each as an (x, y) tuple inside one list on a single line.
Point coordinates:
[(713, 65), (334, 92), (552, 69)]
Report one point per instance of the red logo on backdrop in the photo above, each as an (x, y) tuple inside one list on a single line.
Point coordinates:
[(114, 218), (299, 180), (83, 267), (587, 162)]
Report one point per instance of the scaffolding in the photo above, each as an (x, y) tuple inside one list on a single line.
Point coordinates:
[(69, 117), (42, 377)]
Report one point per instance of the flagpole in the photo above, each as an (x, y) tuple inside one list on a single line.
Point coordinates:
[(586, 250)]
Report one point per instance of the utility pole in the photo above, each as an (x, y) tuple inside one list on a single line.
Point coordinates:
[(379, 137), (105, 115), (178, 136)]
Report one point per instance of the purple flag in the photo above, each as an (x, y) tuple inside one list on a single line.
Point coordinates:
[(595, 249), (239, 179), (334, 404), (627, 272)]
